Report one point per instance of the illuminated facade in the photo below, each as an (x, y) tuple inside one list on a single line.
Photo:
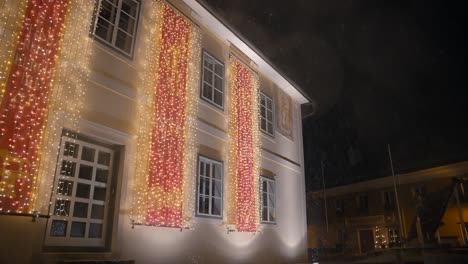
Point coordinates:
[(144, 130)]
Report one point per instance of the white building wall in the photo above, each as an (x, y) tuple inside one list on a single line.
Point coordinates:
[(109, 115)]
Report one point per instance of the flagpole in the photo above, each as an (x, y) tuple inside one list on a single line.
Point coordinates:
[(396, 192)]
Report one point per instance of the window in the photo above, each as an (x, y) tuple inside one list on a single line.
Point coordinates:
[(210, 187), (268, 200), (116, 24), (389, 199), (419, 190), (213, 80), (81, 195), (362, 203), (393, 236), (339, 207), (266, 114)]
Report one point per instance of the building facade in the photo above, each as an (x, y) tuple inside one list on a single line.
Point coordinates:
[(363, 217), (144, 130)]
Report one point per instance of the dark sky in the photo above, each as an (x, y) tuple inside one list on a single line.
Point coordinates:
[(389, 71)]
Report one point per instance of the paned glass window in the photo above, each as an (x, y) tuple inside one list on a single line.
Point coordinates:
[(210, 187), (116, 24), (212, 89), (266, 114), (268, 187), (81, 194)]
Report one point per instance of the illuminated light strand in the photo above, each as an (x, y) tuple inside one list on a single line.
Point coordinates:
[(164, 201), (24, 103), (68, 92), (11, 20), (145, 109), (193, 89), (61, 60), (244, 149), (163, 184)]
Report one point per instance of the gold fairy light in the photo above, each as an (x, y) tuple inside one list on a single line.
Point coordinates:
[(244, 149), (67, 99), (54, 66), (11, 19), (166, 199)]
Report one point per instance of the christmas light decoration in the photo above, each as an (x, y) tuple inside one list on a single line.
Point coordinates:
[(164, 184), (42, 78), (244, 148), (11, 20), (24, 103), (380, 239), (72, 72)]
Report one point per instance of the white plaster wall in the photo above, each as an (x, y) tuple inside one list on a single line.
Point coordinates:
[(110, 104), (209, 242)]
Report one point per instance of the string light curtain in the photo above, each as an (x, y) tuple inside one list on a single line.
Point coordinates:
[(244, 148), (34, 92), (164, 179)]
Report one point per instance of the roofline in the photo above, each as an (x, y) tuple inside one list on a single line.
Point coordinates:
[(459, 169), (257, 57)]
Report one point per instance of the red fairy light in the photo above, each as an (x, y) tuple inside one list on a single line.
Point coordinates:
[(17, 121), (166, 166), (243, 131)]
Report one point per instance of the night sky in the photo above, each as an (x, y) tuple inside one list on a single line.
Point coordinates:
[(379, 71)]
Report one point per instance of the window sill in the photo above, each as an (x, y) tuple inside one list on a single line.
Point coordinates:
[(267, 136), (211, 106), (268, 226), (67, 253), (113, 52), (208, 219)]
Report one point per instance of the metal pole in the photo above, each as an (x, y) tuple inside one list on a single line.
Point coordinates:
[(324, 195), (396, 192), (460, 216)]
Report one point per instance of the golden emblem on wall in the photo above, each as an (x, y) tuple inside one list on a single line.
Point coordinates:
[(284, 114)]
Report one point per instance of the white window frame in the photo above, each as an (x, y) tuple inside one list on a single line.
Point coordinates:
[(119, 11), (85, 241), (212, 163), (269, 193), (211, 85), (272, 110)]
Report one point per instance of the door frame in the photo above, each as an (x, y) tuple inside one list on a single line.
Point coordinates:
[(358, 230)]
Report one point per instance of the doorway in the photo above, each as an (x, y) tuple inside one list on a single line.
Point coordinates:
[(366, 240)]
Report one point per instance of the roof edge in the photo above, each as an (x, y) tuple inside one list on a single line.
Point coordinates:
[(209, 18), (459, 169)]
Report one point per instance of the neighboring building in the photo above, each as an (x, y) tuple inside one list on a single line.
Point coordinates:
[(363, 217), (144, 130)]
